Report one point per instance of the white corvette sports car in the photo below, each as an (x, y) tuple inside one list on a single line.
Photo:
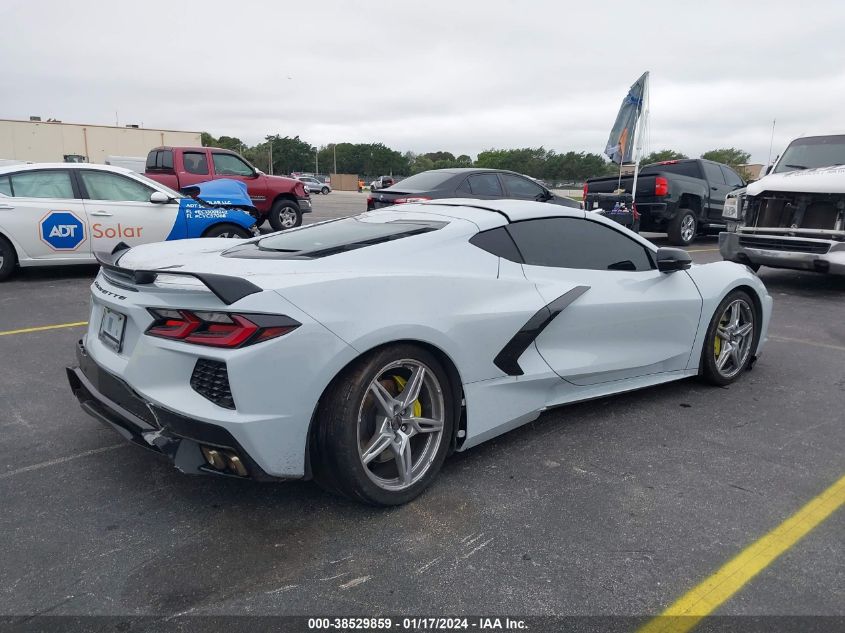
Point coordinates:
[(361, 351)]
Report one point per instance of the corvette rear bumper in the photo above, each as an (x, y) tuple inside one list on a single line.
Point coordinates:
[(113, 403)]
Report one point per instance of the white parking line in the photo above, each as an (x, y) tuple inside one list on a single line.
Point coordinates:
[(784, 339), (60, 460)]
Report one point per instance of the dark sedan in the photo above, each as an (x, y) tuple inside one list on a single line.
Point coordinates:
[(481, 184)]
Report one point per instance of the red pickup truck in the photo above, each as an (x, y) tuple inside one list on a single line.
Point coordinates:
[(280, 200)]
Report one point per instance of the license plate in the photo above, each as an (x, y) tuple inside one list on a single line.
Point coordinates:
[(111, 329)]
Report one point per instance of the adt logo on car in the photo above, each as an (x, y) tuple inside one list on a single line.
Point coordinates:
[(62, 230)]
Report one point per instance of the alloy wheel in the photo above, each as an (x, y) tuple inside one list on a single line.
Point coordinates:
[(288, 218), (688, 228), (400, 424), (734, 336)]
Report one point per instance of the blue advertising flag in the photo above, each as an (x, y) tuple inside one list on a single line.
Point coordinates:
[(620, 145)]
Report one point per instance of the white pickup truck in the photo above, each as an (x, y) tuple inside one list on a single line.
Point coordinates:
[(794, 217)]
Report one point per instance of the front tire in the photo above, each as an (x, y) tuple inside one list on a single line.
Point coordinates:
[(8, 259), (325, 191), (384, 426), (731, 339), (683, 228), (227, 230), (285, 214)]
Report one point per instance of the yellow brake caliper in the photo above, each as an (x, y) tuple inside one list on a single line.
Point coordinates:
[(400, 385), (717, 343)]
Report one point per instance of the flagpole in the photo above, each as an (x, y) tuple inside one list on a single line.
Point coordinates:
[(638, 143)]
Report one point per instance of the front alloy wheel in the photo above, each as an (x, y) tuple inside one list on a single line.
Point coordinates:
[(731, 339), (384, 426)]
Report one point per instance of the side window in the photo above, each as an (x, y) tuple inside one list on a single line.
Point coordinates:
[(464, 188), (230, 165), (102, 185), (713, 173), (577, 243), (485, 185), (522, 187), (160, 159), (196, 163), (731, 177), (497, 242), (42, 184), (5, 186)]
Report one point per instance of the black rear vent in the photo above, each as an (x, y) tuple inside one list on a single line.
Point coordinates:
[(211, 380)]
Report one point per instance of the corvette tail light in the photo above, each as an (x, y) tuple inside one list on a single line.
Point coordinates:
[(411, 199), (218, 329), (661, 186)]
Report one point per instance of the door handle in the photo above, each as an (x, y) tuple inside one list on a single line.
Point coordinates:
[(6, 207), (102, 214)]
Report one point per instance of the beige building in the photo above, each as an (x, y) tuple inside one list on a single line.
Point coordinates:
[(52, 141)]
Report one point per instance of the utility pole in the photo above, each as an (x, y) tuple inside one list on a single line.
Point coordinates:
[(316, 161), (334, 151), (271, 158)]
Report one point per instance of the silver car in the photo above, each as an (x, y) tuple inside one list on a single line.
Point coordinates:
[(315, 186)]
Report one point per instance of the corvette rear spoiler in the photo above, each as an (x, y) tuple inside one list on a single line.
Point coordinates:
[(225, 287)]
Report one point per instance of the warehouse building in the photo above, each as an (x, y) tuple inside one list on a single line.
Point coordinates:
[(55, 141)]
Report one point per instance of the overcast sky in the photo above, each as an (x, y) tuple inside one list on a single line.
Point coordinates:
[(426, 75)]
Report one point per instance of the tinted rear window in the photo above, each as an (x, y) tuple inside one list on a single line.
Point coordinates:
[(338, 236), (426, 181), (682, 169)]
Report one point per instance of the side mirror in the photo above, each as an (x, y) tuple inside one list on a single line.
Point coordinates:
[(159, 197), (768, 169), (670, 260)]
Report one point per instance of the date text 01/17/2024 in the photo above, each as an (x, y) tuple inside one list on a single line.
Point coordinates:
[(417, 624)]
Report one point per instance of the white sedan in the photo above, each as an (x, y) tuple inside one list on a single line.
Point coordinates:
[(61, 213), (361, 351)]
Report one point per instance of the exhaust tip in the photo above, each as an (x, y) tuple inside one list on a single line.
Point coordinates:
[(224, 461), (213, 457)]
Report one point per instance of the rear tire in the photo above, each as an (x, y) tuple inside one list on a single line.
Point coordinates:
[(683, 228), (359, 451), (285, 215), (227, 230), (8, 258), (731, 339)]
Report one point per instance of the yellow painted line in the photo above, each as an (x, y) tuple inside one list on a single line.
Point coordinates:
[(702, 250), (784, 339), (705, 598), (42, 328)]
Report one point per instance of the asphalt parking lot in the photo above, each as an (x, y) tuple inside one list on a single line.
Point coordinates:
[(613, 507)]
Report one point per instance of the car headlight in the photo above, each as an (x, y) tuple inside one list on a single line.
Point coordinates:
[(731, 209)]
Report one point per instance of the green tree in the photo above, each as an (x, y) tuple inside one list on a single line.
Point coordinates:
[(225, 142), (729, 156), (527, 160), (663, 155), (289, 154)]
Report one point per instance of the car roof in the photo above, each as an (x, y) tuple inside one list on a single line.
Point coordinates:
[(36, 166), (511, 210), (490, 214)]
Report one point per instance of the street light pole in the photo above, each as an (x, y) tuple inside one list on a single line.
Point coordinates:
[(316, 161), (334, 151)]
